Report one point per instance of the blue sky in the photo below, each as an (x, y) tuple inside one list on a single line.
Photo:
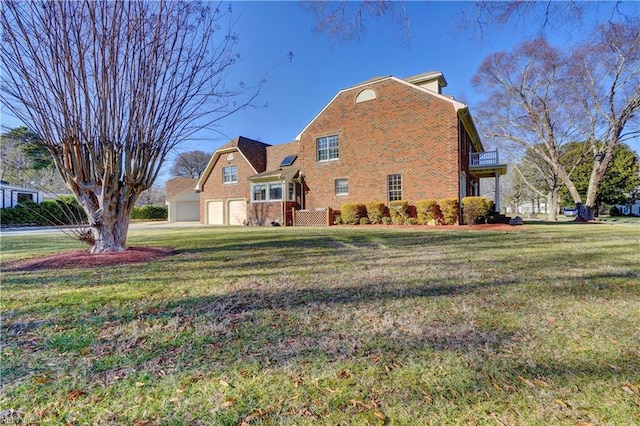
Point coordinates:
[(295, 91)]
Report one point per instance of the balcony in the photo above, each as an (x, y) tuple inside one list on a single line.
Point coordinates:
[(486, 164)]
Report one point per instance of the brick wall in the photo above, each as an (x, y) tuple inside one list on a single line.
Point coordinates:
[(403, 131), (214, 189), (263, 214)]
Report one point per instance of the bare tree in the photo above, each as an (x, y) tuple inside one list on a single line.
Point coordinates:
[(190, 164), (112, 88), (347, 21), (606, 75), (155, 195), (539, 99)]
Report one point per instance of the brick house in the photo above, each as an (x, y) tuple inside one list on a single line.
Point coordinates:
[(382, 140)]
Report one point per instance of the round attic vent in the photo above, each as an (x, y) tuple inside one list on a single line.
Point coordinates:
[(230, 156)]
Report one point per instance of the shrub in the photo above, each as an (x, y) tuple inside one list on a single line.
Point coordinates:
[(474, 208), (65, 211), (352, 212), (428, 212), (364, 221), (449, 208), (386, 220), (376, 212), (338, 220), (150, 212), (399, 211)]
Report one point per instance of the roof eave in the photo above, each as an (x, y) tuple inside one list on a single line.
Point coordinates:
[(212, 161), (470, 127)]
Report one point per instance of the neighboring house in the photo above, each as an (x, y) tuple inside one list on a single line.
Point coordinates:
[(13, 195), (629, 209), (183, 203), (382, 140)]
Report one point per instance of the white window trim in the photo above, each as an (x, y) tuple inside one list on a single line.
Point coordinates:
[(268, 198), (327, 149), (335, 185), (232, 175), (395, 190)]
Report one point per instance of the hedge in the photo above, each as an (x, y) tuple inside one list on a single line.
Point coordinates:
[(428, 212), (351, 213), (474, 208), (64, 211), (150, 212), (377, 212), (449, 208), (399, 211)]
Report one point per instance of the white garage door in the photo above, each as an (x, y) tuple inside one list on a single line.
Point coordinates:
[(214, 213), (237, 212), (187, 211)]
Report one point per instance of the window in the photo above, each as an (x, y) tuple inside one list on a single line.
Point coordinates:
[(327, 148), (266, 191), (342, 186), (292, 192), (24, 197), (365, 95), (230, 174), (259, 192), (275, 191), (394, 187)]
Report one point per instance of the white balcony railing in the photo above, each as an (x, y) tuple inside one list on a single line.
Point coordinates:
[(484, 159)]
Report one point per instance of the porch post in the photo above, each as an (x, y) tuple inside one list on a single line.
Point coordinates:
[(496, 199)]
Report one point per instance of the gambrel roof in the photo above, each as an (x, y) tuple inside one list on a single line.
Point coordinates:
[(254, 152)]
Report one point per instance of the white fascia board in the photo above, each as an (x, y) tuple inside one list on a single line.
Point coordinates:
[(212, 162)]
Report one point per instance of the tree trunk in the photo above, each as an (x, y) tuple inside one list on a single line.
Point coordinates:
[(552, 204), (585, 213), (110, 235), (109, 213)]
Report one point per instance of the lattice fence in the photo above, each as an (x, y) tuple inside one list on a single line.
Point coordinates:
[(313, 217)]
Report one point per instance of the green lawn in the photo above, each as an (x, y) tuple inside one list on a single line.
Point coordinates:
[(332, 326)]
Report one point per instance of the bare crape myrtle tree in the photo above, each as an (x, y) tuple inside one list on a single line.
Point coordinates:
[(112, 87)]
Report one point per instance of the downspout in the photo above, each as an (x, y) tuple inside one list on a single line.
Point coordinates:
[(285, 193), (302, 204)]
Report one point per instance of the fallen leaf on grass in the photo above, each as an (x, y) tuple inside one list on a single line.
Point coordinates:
[(526, 382), (561, 403), (75, 394)]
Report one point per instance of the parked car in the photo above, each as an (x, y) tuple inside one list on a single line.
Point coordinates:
[(569, 211)]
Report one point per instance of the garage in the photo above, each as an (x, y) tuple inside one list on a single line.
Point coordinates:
[(187, 211), (237, 212), (215, 214)]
